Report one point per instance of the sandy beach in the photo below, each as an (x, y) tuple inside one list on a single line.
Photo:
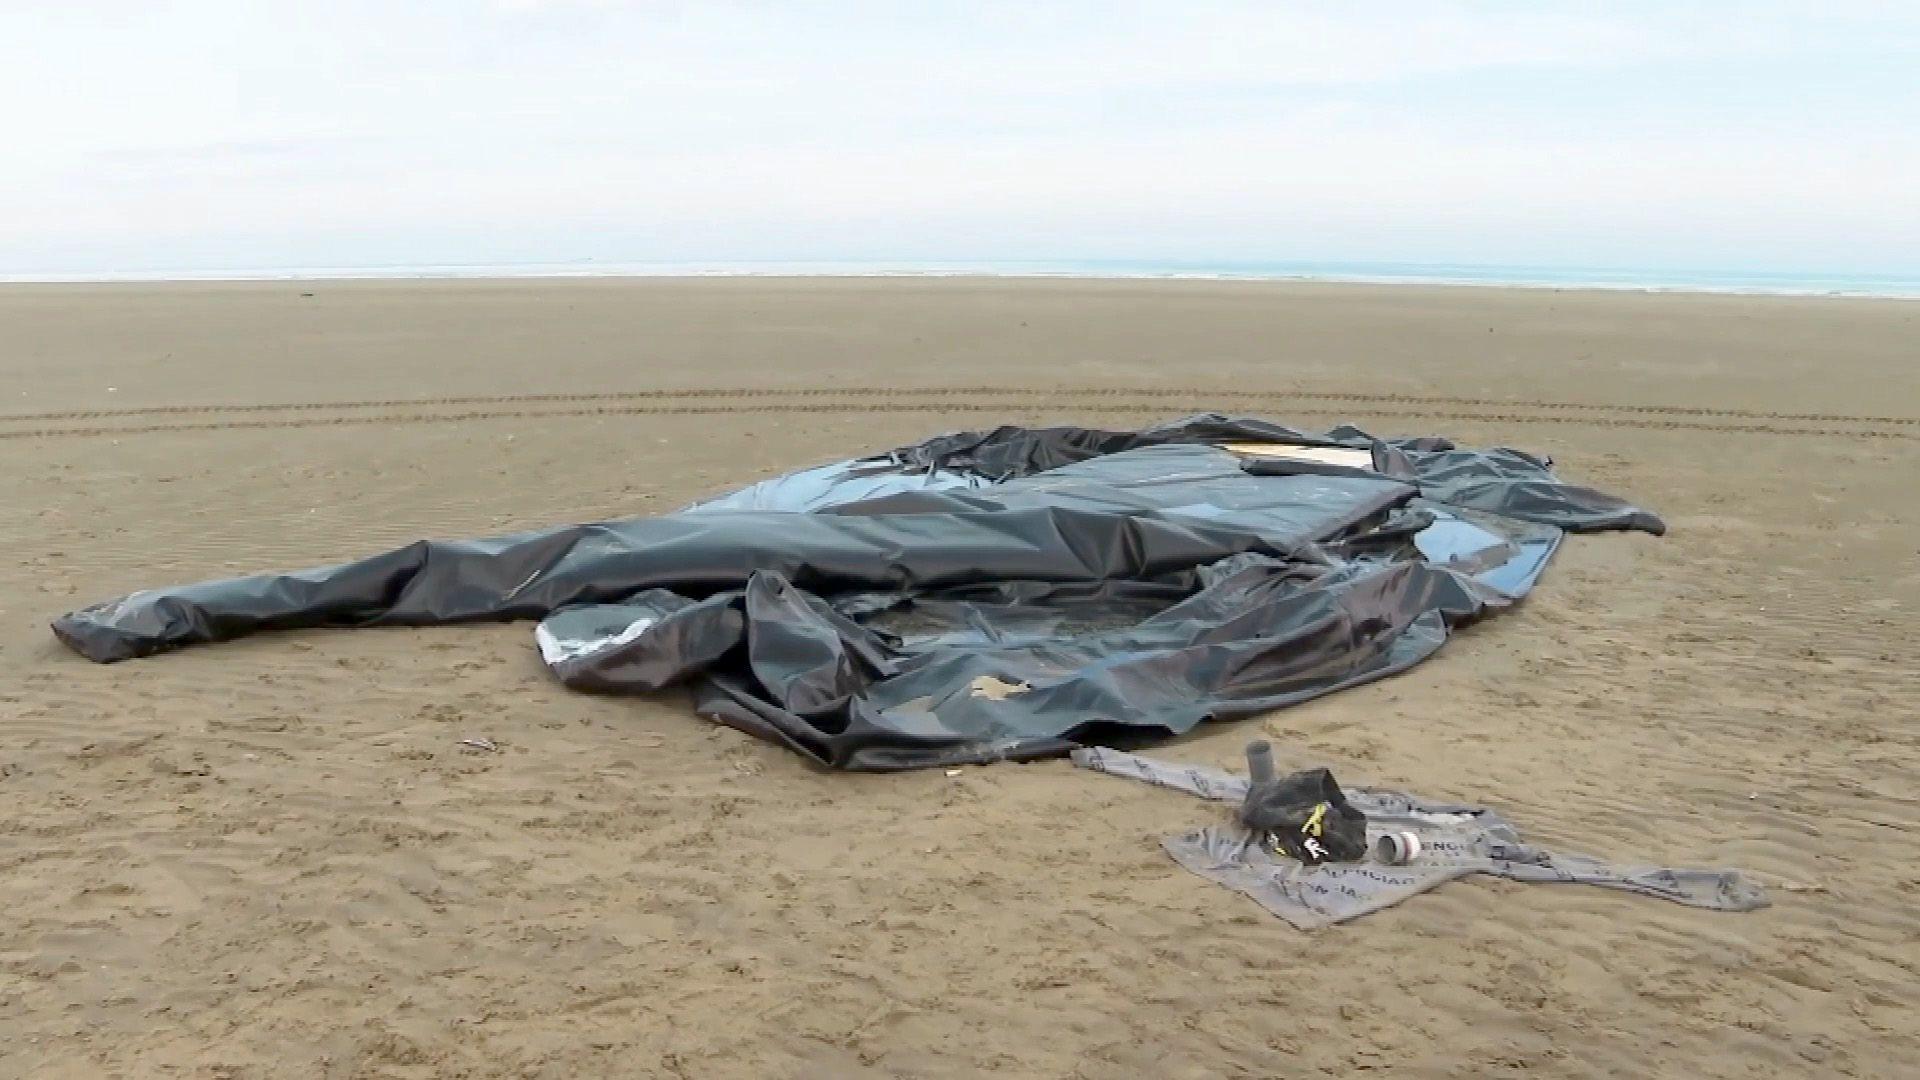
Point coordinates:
[(276, 858)]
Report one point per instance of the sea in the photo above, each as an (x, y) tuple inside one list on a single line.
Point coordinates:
[(1787, 282)]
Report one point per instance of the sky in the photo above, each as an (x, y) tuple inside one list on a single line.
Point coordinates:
[(1745, 136)]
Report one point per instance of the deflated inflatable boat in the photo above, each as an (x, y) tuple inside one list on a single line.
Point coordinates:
[(977, 597)]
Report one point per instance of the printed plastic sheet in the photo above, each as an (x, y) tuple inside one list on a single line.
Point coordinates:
[(1455, 842)]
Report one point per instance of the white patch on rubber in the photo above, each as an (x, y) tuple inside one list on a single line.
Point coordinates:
[(555, 651)]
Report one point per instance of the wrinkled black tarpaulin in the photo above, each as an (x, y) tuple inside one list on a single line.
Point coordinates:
[(976, 597)]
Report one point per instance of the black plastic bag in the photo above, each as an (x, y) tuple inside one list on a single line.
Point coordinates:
[(1305, 816)]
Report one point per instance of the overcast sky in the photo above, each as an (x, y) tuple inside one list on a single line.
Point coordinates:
[(206, 135)]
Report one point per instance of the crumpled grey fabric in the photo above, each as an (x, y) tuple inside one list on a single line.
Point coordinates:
[(1455, 841)]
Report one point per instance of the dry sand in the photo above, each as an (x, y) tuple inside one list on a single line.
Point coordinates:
[(275, 859)]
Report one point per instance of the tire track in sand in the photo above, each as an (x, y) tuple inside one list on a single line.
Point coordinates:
[(943, 392), (741, 400)]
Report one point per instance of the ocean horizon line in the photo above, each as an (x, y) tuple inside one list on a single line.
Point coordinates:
[(1756, 283)]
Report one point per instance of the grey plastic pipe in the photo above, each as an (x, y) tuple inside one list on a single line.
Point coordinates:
[(1260, 761)]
